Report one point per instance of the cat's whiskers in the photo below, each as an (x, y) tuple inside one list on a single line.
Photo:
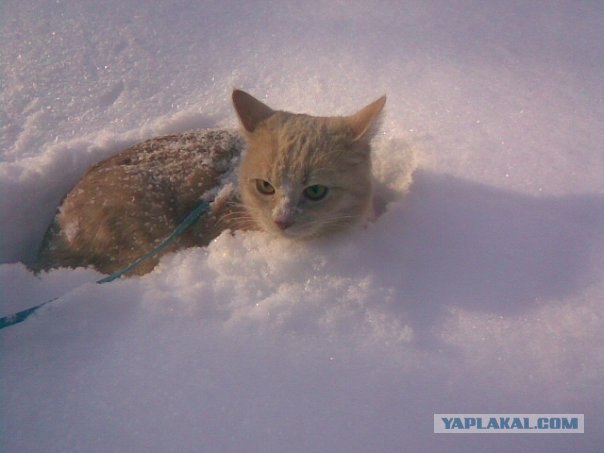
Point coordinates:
[(240, 216), (237, 219)]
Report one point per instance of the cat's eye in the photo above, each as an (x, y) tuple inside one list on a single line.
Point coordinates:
[(264, 187), (316, 192)]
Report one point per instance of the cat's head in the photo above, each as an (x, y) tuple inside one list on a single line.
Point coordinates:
[(304, 176)]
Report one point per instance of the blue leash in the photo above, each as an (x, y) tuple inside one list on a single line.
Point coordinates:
[(199, 210)]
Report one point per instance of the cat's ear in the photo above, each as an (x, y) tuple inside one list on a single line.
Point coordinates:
[(250, 110), (364, 122)]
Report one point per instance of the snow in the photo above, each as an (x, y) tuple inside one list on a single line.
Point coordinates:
[(479, 289)]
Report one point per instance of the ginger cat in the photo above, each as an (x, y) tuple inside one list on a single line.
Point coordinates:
[(299, 176)]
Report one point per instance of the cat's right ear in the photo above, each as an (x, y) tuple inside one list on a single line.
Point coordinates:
[(250, 110), (365, 121)]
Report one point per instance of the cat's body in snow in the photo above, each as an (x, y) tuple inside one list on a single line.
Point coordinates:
[(299, 177)]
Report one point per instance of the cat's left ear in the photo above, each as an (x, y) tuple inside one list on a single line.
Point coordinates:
[(364, 122)]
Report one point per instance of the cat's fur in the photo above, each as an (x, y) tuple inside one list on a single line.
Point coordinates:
[(300, 176)]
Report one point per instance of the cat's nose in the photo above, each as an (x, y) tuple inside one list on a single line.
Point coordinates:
[(283, 224)]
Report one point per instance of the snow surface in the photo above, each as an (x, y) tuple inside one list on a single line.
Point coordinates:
[(480, 290)]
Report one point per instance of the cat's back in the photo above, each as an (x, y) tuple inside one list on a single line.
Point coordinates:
[(184, 163), (123, 205)]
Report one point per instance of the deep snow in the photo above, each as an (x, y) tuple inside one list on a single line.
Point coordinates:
[(480, 288)]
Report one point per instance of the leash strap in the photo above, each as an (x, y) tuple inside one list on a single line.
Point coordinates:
[(199, 210)]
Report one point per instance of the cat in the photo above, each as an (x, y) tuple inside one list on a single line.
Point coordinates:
[(292, 175)]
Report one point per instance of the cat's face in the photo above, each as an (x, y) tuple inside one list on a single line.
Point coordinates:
[(304, 176)]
